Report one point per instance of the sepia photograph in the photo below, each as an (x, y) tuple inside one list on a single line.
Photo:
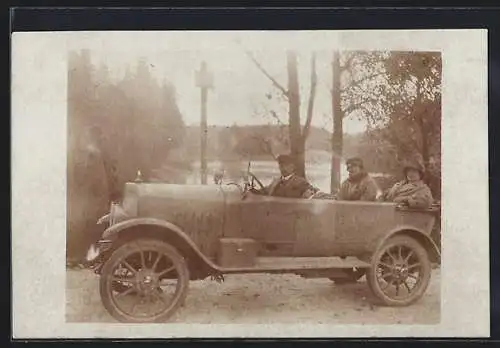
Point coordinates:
[(239, 181), (262, 169)]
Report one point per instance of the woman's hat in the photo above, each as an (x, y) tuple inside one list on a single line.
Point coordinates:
[(414, 164)]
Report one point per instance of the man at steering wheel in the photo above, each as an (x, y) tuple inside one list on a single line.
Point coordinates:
[(289, 185)]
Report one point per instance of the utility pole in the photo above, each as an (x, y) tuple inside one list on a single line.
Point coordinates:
[(204, 80), (337, 134)]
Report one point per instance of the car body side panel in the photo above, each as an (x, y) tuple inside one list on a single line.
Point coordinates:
[(282, 226), (339, 228), (301, 227), (198, 210), (269, 219), (315, 228), (114, 230), (420, 235), (420, 220), (275, 223), (233, 212), (359, 223)]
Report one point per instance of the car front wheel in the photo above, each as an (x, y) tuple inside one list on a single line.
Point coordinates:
[(400, 271), (144, 281)]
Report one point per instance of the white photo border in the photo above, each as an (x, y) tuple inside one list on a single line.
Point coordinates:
[(39, 74)]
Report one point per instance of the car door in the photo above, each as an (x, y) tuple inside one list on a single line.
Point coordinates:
[(271, 221), (357, 223), (290, 226)]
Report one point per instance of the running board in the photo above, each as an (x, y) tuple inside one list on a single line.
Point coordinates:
[(297, 264)]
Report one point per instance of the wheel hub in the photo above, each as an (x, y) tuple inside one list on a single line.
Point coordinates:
[(400, 271), (146, 281)]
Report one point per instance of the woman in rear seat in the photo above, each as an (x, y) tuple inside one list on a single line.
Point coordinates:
[(411, 191)]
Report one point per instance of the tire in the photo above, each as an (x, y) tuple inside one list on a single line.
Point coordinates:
[(418, 259), (353, 275), (145, 283)]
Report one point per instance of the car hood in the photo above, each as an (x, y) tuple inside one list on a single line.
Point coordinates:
[(172, 191), (198, 210), (165, 200)]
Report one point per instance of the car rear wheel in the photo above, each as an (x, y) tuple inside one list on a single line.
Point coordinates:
[(144, 281), (400, 272)]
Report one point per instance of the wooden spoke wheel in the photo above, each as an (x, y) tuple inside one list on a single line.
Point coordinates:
[(400, 272), (144, 281)]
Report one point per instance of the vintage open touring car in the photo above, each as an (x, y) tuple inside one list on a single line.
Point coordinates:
[(161, 236)]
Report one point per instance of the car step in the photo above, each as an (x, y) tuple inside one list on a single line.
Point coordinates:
[(290, 264)]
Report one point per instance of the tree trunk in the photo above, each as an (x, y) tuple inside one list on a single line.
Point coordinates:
[(421, 110), (425, 144), (297, 145), (337, 134)]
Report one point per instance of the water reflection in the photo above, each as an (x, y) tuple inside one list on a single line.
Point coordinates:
[(317, 173)]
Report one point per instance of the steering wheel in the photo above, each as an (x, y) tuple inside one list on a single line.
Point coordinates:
[(253, 180)]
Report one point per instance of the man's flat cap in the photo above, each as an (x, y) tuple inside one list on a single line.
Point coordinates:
[(355, 161)]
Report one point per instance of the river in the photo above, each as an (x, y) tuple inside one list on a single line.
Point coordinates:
[(317, 173)]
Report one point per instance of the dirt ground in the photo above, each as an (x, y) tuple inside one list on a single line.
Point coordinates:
[(262, 299)]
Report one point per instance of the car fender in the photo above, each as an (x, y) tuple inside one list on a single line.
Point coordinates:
[(112, 232), (412, 231)]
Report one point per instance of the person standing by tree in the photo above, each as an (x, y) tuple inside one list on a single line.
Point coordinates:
[(359, 186)]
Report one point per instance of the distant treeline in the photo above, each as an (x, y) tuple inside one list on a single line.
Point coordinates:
[(250, 141), (261, 142)]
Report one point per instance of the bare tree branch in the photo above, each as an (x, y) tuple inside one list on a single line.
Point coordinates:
[(273, 80), (312, 96), (347, 65), (276, 117)]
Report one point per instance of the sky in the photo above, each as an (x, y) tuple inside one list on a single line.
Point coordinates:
[(239, 93)]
